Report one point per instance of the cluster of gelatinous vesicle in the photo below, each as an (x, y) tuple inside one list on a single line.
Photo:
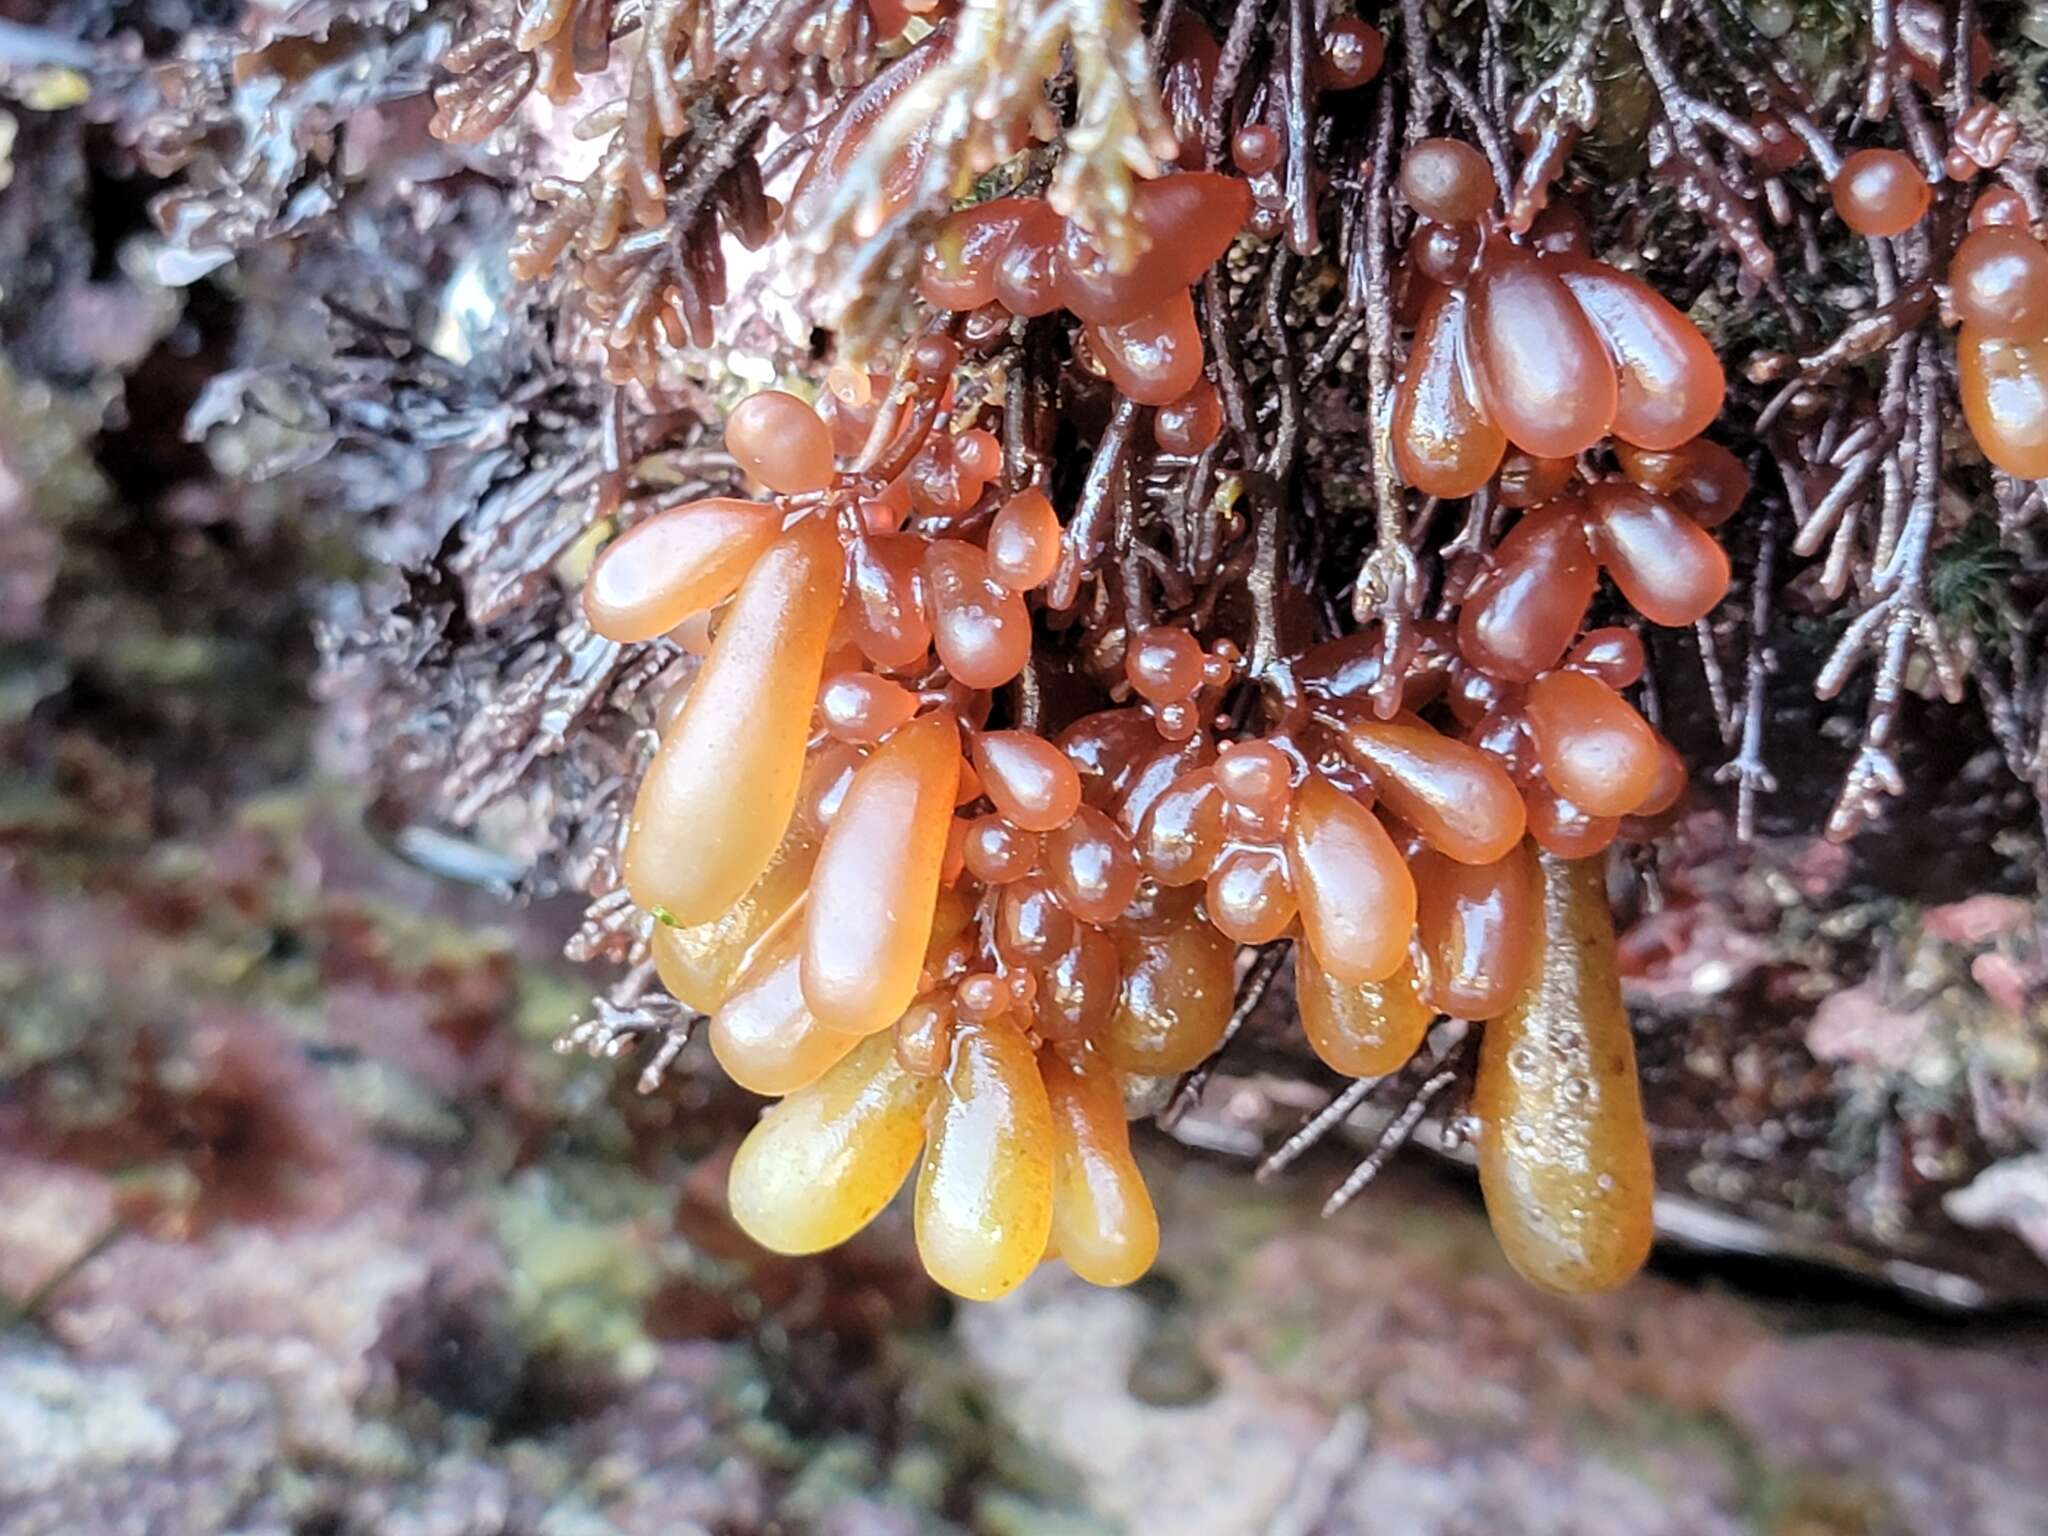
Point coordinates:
[(1526, 606), (1998, 289), (1169, 671), (1532, 345), (1140, 321)]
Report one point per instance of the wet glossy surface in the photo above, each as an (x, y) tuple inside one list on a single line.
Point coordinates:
[(1030, 781), (1443, 445), (780, 441), (2004, 386), (764, 1036), (980, 627), (1595, 749), (1103, 1224), (1156, 357), (718, 796), (984, 1193), (1177, 989), (698, 965), (1447, 180), (1880, 192), (1998, 283), (1520, 616), (676, 563), (1477, 927), (821, 1164), (1670, 569), (1670, 380), (1360, 1028), (1564, 1158), (1456, 796), (877, 879), (1357, 899), (1544, 376)]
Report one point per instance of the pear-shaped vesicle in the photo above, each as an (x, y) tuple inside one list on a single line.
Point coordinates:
[(1155, 357), (1564, 1156), (1357, 899), (821, 1164), (676, 563), (1188, 222), (1477, 927), (984, 1194), (1670, 378), (1595, 749), (876, 884), (717, 798), (1670, 569), (2004, 385), (1522, 613), (1544, 376), (764, 1035), (1455, 795), (1444, 445), (699, 965), (1103, 1224), (1178, 988), (1360, 1028)]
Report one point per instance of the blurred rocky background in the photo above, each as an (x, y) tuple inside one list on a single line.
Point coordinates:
[(307, 1228)]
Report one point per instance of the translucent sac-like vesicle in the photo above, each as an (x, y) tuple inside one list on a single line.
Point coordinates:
[(980, 627), (1103, 1225), (1032, 782), (1444, 445), (862, 708), (1455, 795), (876, 883), (2004, 385), (1164, 663), (1522, 613), (1077, 988), (1357, 898), (717, 798), (1564, 1155), (1527, 481), (1188, 221), (1190, 424), (699, 965), (1360, 1028), (1177, 991), (1544, 375), (821, 1164), (1352, 54), (1091, 865), (1024, 541), (677, 563), (1707, 480), (984, 1193), (1670, 569), (1998, 283), (1880, 192), (1447, 180), (1183, 830), (1476, 924), (1249, 897), (1567, 830), (1594, 748), (781, 442), (1027, 269), (885, 600), (764, 1035), (1156, 357), (959, 267), (1670, 380)]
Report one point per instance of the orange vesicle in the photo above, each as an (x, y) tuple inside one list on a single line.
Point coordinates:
[(1880, 192), (1155, 357), (1360, 1028), (1457, 797), (1670, 381), (781, 442), (1998, 283), (699, 964), (1447, 180), (675, 564), (1032, 782), (959, 268), (1188, 222), (984, 1194), (979, 626), (1443, 444), (1357, 898), (1024, 541), (1544, 376), (1103, 1224), (1519, 617), (1595, 750), (764, 1035), (2004, 386), (821, 1164), (1092, 866), (1249, 898), (885, 600), (718, 796), (1177, 990), (1027, 268), (1476, 924), (1670, 569), (1564, 1158), (1707, 480), (877, 879)]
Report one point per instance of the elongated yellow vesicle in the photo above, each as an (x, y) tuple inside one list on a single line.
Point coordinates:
[(1564, 1158), (1103, 1223), (1178, 987), (821, 1164), (984, 1194), (1359, 1028), (765, 1038), (876, 883), (699, 965), (719, 794)]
